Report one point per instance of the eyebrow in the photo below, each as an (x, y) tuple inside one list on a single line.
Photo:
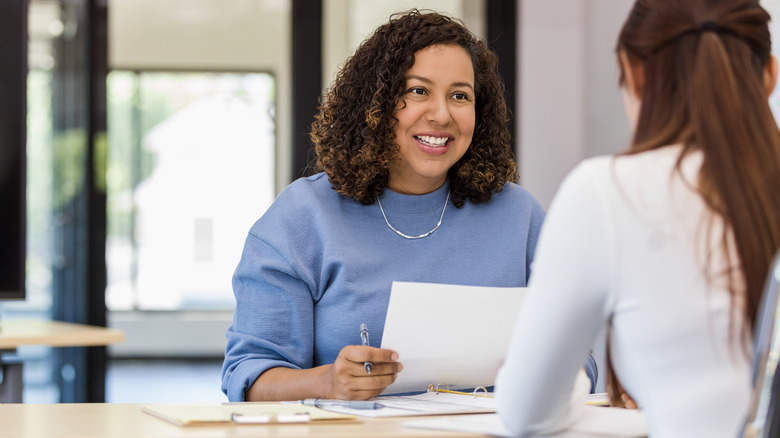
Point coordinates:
[(428, 81)]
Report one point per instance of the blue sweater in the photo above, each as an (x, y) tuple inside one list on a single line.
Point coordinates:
[(317, 264)]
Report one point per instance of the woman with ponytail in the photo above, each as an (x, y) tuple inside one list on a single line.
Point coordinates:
[(667, 245)]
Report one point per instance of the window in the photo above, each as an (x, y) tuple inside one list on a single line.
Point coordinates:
[(190, 168)]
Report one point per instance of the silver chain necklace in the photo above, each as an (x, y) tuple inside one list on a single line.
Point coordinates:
[(406, 236)]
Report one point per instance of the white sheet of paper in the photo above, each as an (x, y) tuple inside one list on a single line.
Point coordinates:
[(595, 422), (449, 334)]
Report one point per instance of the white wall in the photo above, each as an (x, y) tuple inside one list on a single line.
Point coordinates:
[(569, 103), (570, 106), (773, 7)]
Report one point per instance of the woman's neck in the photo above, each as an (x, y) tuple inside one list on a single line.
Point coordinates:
[(415, 188)]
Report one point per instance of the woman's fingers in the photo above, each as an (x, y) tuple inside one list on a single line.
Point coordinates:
[(359, 353), (350, 379), (382, 361)]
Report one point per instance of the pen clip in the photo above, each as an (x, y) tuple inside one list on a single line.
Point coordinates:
[(363, 334)]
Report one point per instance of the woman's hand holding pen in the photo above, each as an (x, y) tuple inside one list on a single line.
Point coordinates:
[(349, 379)]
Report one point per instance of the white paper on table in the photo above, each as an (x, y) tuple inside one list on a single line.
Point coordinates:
[(449, 334), (595, 421)]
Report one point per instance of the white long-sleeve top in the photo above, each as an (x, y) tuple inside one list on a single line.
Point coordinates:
[(625, 243)]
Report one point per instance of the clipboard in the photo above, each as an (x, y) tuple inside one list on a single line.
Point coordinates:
[(244, 413)]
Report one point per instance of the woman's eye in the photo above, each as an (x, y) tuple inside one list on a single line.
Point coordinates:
[(417, 91), (460, 96)]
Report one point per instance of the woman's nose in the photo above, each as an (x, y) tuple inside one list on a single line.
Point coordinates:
[(438, 112)]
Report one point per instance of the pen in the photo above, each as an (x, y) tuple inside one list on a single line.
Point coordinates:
[(364, 339), (353, 404)]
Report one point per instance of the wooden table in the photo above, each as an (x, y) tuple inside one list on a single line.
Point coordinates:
[(15, 333), (128, 421)]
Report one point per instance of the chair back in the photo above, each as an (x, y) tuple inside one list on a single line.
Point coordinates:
[(763, 420)]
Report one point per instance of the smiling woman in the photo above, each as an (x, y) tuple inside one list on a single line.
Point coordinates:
[(435, 119), (415, 122)]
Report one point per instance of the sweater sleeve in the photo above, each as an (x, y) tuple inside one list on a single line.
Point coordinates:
[(566, 306), (273, 320), (534, 228)]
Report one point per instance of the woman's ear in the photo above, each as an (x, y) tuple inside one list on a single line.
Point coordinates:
[(770, 75), (633, 74)]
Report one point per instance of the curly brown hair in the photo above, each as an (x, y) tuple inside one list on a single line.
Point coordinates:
[(353, 134)]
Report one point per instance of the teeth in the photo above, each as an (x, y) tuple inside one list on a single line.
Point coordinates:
[(433, 141)]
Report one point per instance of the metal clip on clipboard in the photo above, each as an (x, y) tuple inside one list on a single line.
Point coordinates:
[(447, 390)]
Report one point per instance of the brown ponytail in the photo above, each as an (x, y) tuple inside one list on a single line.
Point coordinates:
[(703, 64)]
